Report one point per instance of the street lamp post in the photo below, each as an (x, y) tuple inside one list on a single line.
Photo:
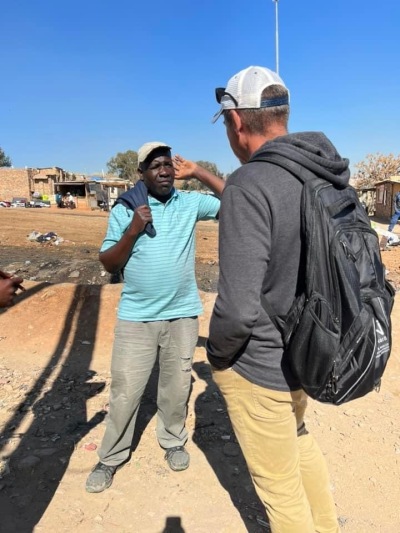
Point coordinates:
[(276, 37)]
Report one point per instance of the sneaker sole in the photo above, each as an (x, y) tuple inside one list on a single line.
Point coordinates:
[(179, 469)]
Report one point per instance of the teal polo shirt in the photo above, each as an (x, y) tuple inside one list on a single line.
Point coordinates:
[(159, 277)]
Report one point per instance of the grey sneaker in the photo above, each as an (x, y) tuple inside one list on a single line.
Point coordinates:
[(177, 458), (100, 478)]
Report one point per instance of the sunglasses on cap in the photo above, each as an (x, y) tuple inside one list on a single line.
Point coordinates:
[(220, 93)]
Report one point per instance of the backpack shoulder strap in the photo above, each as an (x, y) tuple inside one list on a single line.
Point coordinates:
[(301, 174), (298, 171)]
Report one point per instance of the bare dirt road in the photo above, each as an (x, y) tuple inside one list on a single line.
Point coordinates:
[(55, 346)]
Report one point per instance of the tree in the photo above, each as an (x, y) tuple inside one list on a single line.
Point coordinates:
[(195, 185), (376, 167), (125, 165), (5, 161)]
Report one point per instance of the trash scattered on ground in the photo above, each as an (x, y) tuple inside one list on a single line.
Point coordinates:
[(388, 237), (50, 237), (393, 240), (90, 447)]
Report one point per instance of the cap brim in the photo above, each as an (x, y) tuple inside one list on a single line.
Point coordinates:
[(217, 115)]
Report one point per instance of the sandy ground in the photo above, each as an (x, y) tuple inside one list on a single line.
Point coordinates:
[(55, 346)]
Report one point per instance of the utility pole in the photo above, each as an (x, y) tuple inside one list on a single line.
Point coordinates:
[(276, 37)]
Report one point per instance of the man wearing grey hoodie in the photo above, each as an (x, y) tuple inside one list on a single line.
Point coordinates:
[(260, 252)]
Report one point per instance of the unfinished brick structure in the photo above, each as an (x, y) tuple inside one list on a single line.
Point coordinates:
[(15, 182), (18, 182), (31, 183)]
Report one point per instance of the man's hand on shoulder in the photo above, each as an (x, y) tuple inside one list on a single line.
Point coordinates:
[(142, 216)]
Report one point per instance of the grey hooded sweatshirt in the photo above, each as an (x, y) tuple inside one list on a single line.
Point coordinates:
[(260, 251)]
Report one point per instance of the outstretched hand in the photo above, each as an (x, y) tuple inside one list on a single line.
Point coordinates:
[(184, 168)]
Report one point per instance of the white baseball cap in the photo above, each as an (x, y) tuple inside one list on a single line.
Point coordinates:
[(244, 91), (146, 149)]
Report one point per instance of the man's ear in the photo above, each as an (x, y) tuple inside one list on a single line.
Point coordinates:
[(236, 121)]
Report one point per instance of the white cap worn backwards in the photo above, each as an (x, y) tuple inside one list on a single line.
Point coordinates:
[(244, 91)]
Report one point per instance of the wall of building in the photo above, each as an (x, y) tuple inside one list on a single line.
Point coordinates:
[(385, 193), (13, 183), (43, 185)]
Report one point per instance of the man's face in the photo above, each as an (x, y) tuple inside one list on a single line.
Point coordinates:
[(158, 175)]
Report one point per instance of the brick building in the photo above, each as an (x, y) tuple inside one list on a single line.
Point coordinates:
[(24, 183), (15, 182), (45, 183)]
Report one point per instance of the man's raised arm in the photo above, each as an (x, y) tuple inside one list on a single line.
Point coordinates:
[(186, 169)]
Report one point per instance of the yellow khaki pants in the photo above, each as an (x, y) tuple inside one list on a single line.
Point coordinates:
[(286, 465)]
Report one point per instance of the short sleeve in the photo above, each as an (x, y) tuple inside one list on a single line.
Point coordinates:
[(119, 220), (208, 207)]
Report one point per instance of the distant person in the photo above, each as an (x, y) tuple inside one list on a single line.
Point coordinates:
[(68, 201), (260, 253), (59, 199), (151, 237), (396, 215), (8, 288)]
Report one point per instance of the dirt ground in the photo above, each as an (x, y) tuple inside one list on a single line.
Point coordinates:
[(55, 347)]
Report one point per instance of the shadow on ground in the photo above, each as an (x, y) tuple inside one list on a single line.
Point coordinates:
[(214, 436), (53, 416)]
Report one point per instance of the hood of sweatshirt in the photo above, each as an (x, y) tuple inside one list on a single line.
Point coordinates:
[(312, 150)]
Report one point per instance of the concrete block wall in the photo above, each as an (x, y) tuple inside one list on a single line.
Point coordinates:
[(44, 186), (14, 182)]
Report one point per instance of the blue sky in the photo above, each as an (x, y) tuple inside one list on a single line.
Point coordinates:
[(81, 81)]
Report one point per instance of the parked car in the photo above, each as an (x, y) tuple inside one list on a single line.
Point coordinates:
[(5, 204), (19, 202), (38, 203)]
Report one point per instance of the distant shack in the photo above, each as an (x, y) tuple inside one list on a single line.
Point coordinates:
[(385, 193)]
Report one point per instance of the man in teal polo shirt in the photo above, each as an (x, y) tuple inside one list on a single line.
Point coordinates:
[(154, 245)]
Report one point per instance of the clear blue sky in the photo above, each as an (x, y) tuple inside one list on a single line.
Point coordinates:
[(83, 80)]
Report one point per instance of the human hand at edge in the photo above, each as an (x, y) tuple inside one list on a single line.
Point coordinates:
[(184, 168), (8, 288)]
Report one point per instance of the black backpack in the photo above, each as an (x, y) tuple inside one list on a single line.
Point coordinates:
[(337, 332)]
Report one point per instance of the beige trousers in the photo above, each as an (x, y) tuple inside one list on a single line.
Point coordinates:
[(286, 465), (136, 348)]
